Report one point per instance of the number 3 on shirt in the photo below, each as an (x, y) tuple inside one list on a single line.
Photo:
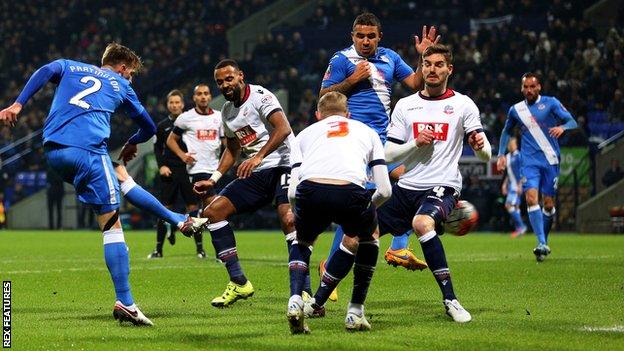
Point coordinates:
[(76, 99), (338, 129)]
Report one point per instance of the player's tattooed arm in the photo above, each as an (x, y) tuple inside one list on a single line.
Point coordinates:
[(362, 72)]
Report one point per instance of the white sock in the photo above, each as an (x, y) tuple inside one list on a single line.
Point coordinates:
[(356, 308)]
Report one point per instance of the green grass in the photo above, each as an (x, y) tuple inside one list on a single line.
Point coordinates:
[(63, 297)]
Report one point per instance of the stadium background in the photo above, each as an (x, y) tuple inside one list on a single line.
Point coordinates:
[(285, 46)]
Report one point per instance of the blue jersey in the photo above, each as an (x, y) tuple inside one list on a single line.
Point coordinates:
[(84, 100), (369, 100), (514, 163), (538, 147)]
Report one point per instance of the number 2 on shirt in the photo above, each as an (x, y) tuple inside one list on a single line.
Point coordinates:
[(76, 99), (338, 129)]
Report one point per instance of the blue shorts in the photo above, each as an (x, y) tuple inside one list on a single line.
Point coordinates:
[(395, 215), (259, 189), (543, 177), (513, 198), (91, 174), (319, 205)]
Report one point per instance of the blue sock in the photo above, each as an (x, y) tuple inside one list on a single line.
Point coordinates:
[(549, 216), (517, 219), (337, 267), (338, 234), (401, 242), (436, 259), (142, 199), (537, 223), (298, 266), (116, 257), (363, 269), (225, 246)]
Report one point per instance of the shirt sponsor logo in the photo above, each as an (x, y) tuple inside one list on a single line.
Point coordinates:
[(440, 130), (246, 135), (207, 134), (266, 99)]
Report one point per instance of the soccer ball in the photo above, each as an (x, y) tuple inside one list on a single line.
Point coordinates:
[(462, 219)]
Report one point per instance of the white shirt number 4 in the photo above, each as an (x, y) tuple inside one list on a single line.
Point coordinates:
[(76, 99), (439, 191)]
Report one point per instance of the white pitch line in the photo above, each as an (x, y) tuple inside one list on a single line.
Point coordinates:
[(613, 329)]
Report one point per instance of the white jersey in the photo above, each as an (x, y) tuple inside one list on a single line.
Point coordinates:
[(337, 148), (249, 124), (202, 135), (450, 117)]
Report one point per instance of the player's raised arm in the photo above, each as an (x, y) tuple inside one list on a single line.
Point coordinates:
[(415, 80), (281, 130), (50, 72)]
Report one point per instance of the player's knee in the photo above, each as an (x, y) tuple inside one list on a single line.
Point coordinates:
[(121, 172), (549, 203), (423, 224), (350, 243), (531, 197)]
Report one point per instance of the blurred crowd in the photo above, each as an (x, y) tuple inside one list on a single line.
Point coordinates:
[(172, 38)]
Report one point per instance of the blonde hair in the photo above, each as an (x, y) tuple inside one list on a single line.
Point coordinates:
[(116, 53), (332, 103)]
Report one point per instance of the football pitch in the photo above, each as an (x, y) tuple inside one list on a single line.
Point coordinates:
[(62, 296)]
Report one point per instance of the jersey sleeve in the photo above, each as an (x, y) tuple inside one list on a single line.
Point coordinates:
[(563, 114), (131, 103), (377, 156), (221, 130), (179, 125), (401, 69), (398, 130), (336, 71), (268, 104), (296, 156), (472, 118)]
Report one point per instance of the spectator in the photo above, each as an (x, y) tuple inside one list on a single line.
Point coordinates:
[(613, 174), (615, 111)]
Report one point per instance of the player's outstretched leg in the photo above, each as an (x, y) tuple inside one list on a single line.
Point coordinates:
[(436, 259), (363, 269), (399, 254), (298, 266), (117, 262), (225, 246)]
